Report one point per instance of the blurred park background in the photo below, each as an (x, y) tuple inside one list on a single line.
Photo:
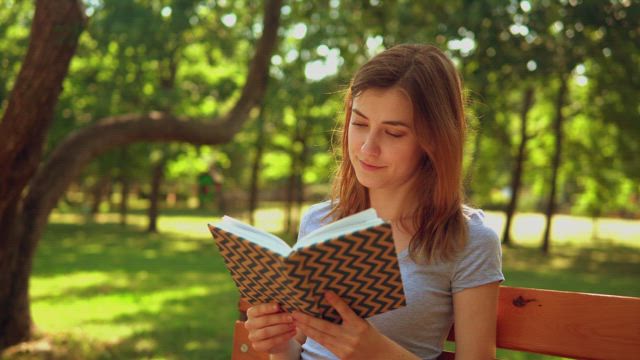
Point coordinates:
[(174, 112)]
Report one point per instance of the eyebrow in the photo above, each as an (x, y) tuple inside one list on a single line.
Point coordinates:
[(386, 122)]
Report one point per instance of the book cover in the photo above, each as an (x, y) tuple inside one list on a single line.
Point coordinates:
[(361, 266)]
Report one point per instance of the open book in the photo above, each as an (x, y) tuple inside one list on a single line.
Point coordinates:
[(355, 257)]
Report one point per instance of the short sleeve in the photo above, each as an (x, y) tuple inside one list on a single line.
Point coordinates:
[(304, 225), (313, 218), (481, 261)]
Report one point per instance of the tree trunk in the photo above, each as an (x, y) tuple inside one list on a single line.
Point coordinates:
[(98, 192), (124, 199), (595, 235), (291, 184), (302, 164), (255, 167), (555, 165), (516, 174), (300, 184), (295, 178), (157, 175), (222, 200), (54, 35), (123, 178)]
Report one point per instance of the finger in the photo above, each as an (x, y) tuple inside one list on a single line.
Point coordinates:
[(317, 324), (266, 345), (270, 331), (329, 341), (343, 309), (263, 309), (268, 320)]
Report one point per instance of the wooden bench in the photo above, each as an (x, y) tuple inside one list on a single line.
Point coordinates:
[(560, 323)]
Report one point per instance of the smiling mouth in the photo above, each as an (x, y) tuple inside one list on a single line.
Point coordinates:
[(367, 166)]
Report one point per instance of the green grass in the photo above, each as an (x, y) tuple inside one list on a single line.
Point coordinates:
[(102, 291), (161, 296)]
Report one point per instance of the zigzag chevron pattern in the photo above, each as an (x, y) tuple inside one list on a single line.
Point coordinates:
[(258, 272), (361, 267)]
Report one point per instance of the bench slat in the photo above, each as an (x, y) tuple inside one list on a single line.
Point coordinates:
[(569, 324)]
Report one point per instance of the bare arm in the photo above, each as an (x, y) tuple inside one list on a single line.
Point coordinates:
[(475, 312)]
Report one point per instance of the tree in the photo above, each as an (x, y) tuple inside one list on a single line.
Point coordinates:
[(54, 32), (29, 189), (516, 173)]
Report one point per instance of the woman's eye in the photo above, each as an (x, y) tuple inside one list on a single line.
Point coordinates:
[(396, 135), (358, 124)]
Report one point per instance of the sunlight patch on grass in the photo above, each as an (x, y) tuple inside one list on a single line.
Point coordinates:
[(53, 286), (109, 317), (188, 226), (528, 229), (93, 315), (270, 219), (145, 345)]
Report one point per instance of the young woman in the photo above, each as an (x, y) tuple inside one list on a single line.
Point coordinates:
[(402, 147)]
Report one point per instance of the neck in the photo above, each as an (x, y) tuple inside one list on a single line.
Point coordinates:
[(392, 205)]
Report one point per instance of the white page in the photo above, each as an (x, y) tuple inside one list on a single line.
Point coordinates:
[(254, 235), (349, 224)]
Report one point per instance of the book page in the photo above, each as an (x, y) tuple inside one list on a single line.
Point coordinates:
[(349, 224), (254, 235)]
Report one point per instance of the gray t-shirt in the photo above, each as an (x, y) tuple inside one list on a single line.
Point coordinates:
[(422, 326)]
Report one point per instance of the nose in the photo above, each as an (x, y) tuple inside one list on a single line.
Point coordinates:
[(371, 145)]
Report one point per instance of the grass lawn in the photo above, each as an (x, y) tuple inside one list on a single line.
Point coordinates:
[(102, 291)]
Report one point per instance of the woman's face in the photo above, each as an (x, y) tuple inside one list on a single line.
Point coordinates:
[(382, 145)]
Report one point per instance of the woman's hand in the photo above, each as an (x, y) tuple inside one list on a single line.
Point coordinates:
[(355, 338), (270, 329)]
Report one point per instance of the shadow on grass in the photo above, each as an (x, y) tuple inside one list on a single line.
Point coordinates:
[(610, 269), (191, 298), (194, 328)]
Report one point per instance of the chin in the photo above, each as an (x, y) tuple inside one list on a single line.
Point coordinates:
[(368, 182)]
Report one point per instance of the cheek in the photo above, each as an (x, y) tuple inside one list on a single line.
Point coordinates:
[(353, 141), (413, 157)]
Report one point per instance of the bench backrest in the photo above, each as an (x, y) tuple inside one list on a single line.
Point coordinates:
[(569, 324)]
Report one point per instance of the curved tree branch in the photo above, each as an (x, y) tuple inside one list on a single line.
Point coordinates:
[(77, 150)]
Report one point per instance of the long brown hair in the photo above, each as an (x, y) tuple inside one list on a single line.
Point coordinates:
[(432, 83)]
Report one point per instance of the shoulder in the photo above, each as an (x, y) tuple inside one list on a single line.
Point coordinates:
[(319, 209), (480, 262), (314, 217), (480, 234), (482, 240)]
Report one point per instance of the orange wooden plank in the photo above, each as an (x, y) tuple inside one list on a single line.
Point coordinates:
[(242, 349), (569, 324)]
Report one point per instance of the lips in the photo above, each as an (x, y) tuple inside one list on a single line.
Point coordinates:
[(370, 167)]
